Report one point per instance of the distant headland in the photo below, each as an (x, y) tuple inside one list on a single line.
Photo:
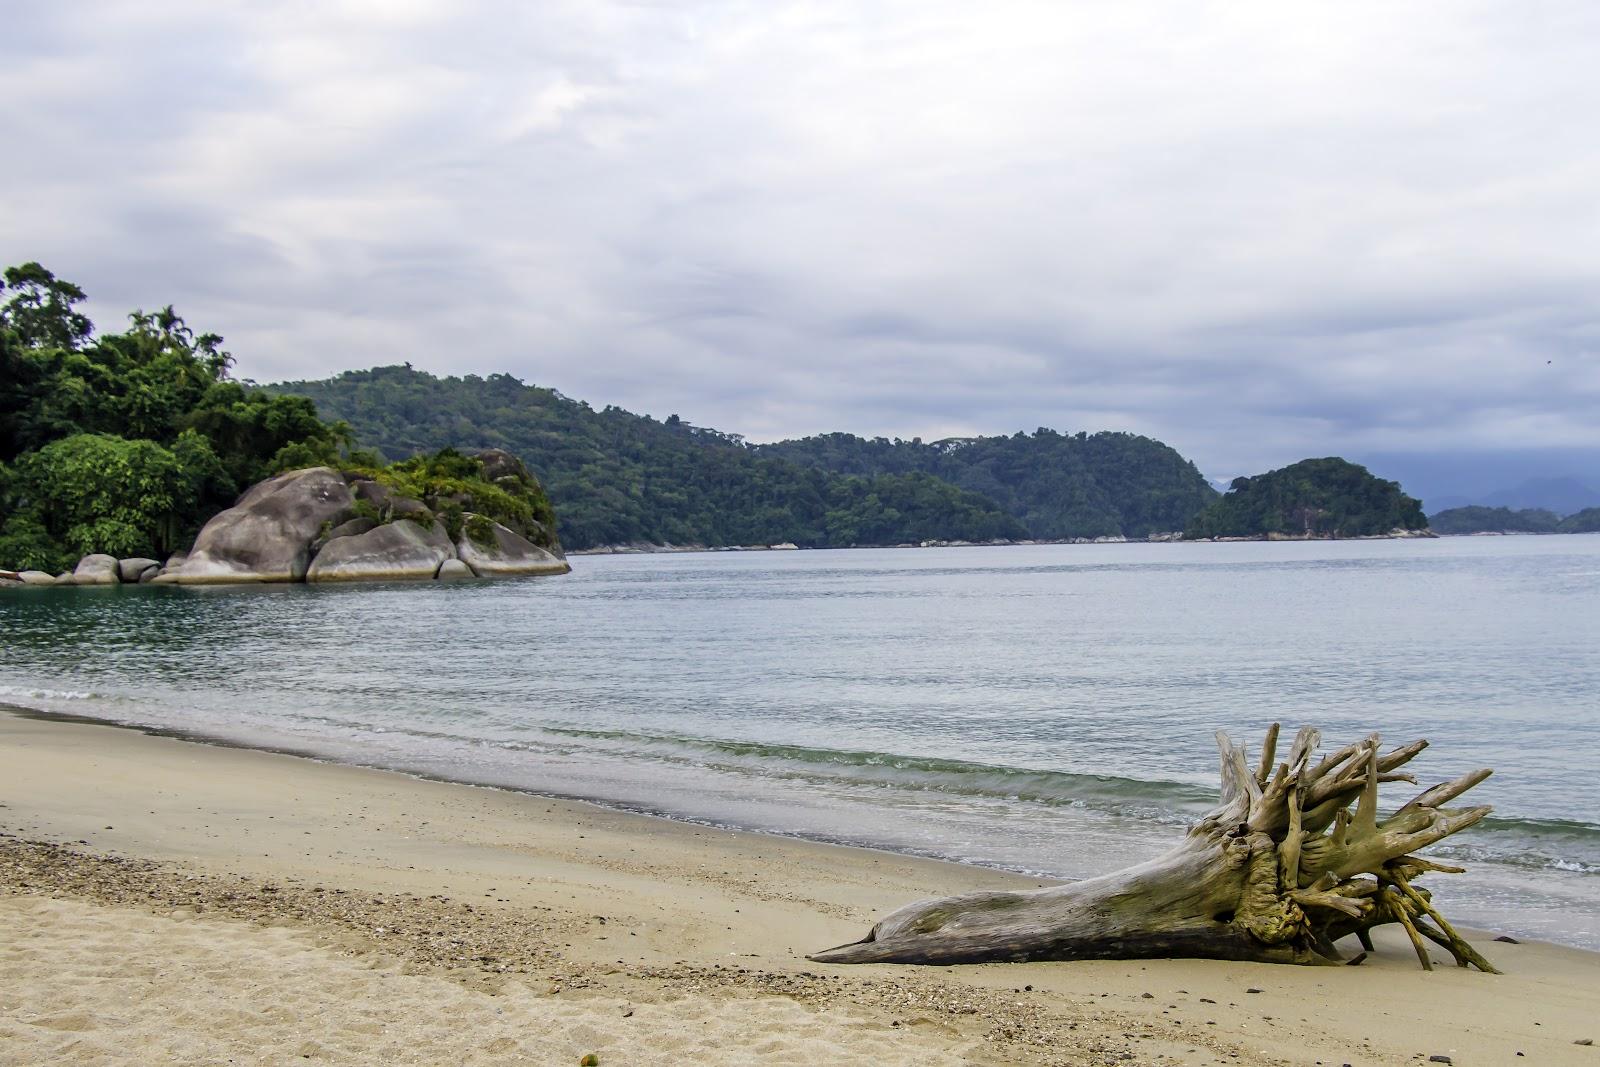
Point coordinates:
[(1315, 499), (137, 456)]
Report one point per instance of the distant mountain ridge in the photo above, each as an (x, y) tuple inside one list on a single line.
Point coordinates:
[(1475, 519), (1563, 496), (620, 478)]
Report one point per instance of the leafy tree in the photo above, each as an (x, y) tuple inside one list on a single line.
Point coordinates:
[(100, 493), (126, 442), (41, 309)]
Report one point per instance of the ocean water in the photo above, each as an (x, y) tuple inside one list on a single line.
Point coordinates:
[(1047, 709)]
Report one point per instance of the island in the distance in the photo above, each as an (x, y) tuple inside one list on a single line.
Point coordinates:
[(1315, 499), (1477, 519)]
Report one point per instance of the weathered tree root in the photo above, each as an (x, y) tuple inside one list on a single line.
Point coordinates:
[(1294, 859)]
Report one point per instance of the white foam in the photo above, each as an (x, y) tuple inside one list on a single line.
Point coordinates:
[(31, 693)]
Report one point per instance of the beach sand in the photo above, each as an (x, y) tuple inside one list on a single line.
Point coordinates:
[(168, 901)]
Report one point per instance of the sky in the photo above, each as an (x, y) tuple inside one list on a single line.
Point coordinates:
[(1257, 231)]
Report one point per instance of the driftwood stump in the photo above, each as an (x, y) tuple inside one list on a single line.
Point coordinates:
[(1295, 858)]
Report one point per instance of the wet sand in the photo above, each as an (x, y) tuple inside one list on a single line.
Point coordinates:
[(163, 900)]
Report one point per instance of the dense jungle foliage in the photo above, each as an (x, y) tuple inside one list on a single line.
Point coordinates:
[(124, 443), (1057, 485), (463, 493), (618, 478), (1313, 498)]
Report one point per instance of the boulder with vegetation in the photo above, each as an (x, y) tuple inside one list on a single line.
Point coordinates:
[(373, 522), (267, 535), (490, 549), (1312, 499)]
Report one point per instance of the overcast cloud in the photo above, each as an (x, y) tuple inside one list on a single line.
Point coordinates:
[(1258, 231)]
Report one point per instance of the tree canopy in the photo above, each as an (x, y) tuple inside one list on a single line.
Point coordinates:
[(1313, 498), (1057, 485), (619, 478), (125, 442)]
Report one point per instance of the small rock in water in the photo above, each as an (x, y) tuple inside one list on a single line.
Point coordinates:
[(1147, 996), (1252, 989), (1508, 940), (591, 1060), (1440, 1059), (1584, 1041)]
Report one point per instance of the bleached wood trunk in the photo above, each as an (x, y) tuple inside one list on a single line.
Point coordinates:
[(1282, 869)]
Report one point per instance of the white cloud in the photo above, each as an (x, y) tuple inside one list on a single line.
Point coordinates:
[(1257, 230)]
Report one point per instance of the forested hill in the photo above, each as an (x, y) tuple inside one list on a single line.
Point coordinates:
[(617, 478), (1313, 498), (1475, 519), (1058, 485)]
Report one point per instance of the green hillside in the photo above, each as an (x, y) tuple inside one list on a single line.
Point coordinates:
[(1057, 485), (1478, 519), (1313, 498), (617, 478)]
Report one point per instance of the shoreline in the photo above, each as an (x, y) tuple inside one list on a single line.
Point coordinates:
[(1484, 926), (383, 892), (643, 548)]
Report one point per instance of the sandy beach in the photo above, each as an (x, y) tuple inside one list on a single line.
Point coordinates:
[(164, 900)]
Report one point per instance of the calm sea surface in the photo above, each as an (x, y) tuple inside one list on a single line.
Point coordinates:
[(1047, 709)]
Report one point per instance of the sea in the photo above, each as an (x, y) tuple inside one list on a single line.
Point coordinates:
[(1045, 709)]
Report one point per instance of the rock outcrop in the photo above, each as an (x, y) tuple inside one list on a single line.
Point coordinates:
[(96, 569), (318, 525), (491, 550), (267, 535), (401, 550), (358, 525), (137, 569)]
